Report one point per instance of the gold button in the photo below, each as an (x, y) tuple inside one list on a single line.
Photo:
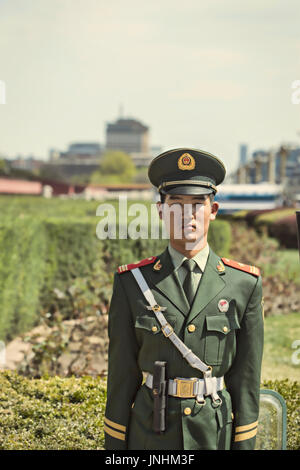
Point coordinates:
[(225, 329), (187, 411), (191, 328), (154, 329)]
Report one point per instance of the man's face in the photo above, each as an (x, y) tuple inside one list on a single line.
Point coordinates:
[(187, 217)]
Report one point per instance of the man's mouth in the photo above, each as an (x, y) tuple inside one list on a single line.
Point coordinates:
[(189, 227), (189, 224)]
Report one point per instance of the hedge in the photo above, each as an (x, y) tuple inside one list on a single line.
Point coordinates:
[(67, 414), (275, 223), (40, 254), (266, 219), (285, 231)]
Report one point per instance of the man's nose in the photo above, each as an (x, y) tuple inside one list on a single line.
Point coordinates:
[(189, 210)]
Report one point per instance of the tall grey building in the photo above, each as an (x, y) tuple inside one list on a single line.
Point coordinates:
[(128, 135), (243, 154)]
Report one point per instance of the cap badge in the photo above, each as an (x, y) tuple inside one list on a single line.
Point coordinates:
[(186, 162), (223, 305)]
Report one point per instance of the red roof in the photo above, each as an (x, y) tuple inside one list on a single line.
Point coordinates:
[(120, 186), (8, 186)]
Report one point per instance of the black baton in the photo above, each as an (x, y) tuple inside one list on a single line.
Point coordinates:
[(160, 394)]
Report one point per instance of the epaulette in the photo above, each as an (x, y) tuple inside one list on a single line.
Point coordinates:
[(243, 267), (143, 262)]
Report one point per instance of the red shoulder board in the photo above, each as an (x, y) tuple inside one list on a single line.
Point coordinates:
[(243, 267), (144, 262)]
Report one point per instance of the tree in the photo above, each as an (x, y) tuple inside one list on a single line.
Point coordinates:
[(3, 167), (115, 167)]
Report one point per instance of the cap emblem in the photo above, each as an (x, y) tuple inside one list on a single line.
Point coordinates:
[(186, 162)]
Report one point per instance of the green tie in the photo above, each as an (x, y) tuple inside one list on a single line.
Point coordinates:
[(189, 284)]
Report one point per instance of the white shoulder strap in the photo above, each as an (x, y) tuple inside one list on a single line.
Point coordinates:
[(167, 329)]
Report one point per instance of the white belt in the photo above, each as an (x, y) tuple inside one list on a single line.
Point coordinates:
[(190, 388)]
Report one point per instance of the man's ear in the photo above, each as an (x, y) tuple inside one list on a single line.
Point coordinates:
[(214, 210)]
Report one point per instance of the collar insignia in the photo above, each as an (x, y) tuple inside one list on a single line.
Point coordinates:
[(220, 267), (157, 266)]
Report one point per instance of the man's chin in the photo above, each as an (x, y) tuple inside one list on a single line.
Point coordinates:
[(192, 239)]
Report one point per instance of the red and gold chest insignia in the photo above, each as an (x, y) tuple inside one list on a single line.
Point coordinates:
[(143, 262), (242, 267)]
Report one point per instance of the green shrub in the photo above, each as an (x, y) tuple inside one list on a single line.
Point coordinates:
[(51, 413), (55, 413), (22, 270), (285, 231), (42, 254), (265, 220), (219, 237)]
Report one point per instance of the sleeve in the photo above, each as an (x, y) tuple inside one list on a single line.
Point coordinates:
[(124, 375), (243, 379)]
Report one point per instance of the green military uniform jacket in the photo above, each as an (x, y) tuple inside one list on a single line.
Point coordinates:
[(230, 342)]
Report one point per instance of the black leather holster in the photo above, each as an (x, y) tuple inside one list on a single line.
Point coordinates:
[(160, 395)]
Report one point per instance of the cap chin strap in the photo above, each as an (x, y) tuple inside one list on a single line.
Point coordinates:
[(188, 355)]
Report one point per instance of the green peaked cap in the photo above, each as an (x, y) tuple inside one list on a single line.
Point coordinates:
[(186, 171)]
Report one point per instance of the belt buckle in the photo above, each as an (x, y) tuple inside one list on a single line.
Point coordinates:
[(170, 328), (185, 388)]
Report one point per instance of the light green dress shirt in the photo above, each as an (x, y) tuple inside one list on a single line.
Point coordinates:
[(178, 258)]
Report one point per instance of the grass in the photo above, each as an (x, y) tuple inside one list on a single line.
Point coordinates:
[(280, 333), (286, 265)]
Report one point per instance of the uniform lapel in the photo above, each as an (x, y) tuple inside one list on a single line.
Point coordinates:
[(210, 285), (166, 281)]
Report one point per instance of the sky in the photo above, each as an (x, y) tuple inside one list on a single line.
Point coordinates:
[(201, 74)]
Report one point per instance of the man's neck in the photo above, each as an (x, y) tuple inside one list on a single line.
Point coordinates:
[(187, 248)]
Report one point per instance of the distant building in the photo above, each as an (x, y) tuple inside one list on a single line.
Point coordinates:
[(26, 163), (128, 135), (83, 151), (243, 154), (14, 186), (44, 187), (81, 158), (277, 167), (139, 191)]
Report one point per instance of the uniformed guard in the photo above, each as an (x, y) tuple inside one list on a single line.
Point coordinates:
[(197, 315)]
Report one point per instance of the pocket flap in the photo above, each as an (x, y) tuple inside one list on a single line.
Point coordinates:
[(222, 323), (148, 323)]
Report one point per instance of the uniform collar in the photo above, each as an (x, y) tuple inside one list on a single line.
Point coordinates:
[(200, 258)]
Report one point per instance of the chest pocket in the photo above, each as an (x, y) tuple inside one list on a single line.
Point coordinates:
[(220, 339), (148, 323)]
